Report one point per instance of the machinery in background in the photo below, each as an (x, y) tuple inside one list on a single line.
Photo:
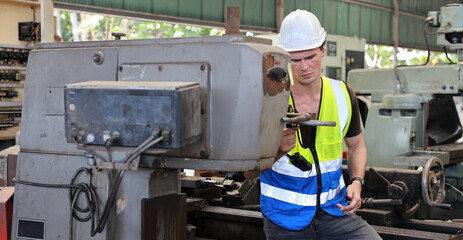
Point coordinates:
[(15, 46), (342, 55), (410, 132), (13, 62)]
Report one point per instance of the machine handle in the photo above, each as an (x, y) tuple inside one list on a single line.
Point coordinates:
[(305, 119), (443, 205)]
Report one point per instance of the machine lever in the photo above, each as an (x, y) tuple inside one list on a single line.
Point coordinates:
[(443, 205), (380, 176)]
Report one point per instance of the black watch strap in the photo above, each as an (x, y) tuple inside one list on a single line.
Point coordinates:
[(356, 178)]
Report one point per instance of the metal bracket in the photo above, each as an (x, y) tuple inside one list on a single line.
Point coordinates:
[(133, 166)]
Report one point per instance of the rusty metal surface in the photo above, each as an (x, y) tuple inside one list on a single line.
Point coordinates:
[(455, 151), (433, 226), (232, 25), (433, 183), (376, 187), (231, 214), (227, 223), (372, 203), (164, 217), (383, 188), (195, 204), (11, 166), (378, 217), (250, 191), (272, 87), (389, 233)]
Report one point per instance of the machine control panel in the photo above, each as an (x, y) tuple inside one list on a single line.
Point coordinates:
[(130, 112)]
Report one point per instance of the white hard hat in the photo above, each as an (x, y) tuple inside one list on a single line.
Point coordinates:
[(299, 31)]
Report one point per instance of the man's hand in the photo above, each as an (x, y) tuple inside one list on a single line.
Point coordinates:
[(288, 140), (353, 192)]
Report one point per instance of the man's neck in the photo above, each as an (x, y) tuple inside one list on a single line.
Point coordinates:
[(307, 97), (313, 89)]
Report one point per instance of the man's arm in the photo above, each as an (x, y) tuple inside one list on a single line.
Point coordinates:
[(287, 142), (357, 164), (357, 156)]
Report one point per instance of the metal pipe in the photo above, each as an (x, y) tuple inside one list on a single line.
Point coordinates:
[(280, 9), (384, 8), (395, 31), (232, 24), (372, 203)]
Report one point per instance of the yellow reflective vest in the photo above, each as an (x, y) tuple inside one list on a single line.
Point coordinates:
[(289, 196)]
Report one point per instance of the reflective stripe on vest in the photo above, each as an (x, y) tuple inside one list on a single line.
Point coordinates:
[(288, 195)]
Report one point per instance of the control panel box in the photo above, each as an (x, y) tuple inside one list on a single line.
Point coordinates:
[(129, 112)]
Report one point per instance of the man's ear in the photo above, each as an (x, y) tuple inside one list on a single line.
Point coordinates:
[(324, 50)]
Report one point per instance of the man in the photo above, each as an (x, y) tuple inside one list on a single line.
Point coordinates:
[(308, 201)]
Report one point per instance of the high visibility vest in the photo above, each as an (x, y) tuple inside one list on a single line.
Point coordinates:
[(289, 195)]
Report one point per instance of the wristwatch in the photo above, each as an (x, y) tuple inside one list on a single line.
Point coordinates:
[(357, 178)]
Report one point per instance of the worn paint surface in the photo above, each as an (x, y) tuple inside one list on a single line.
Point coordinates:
[(272, 87)]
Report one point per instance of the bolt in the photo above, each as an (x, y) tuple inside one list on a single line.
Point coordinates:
[(202, 153), (203, 67), (444, 87), (120, 69), (98, 57), (160, 68)]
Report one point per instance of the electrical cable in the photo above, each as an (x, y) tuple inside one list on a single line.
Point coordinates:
[(120, 174), (446, 55), (74, 192), (396, 72), (83, 147), (92, 207), (426, 23), (426, 40)]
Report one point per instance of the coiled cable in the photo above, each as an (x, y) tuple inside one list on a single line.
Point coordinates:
[(91, 209)]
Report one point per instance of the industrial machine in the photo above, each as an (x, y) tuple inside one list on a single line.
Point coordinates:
[(411, 130), (107, 126)]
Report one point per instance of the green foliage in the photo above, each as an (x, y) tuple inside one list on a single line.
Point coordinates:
[(96, 27), (92, 27), (378, 56)]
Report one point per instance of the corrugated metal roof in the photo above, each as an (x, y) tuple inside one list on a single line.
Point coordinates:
[(369, 19)]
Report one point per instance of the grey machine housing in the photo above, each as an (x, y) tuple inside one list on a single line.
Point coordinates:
[(230, 121)]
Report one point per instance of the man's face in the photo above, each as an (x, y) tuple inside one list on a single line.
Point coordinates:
[(306, 65)]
